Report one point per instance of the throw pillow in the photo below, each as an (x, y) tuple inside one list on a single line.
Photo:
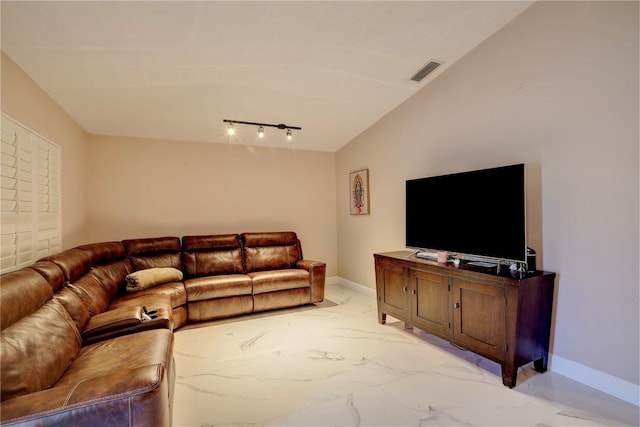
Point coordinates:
[(143, 279)]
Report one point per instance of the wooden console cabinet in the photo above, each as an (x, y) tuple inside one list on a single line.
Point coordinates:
[(503, 316)]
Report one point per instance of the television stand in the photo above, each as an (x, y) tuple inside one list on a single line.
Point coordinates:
[(502, 315)]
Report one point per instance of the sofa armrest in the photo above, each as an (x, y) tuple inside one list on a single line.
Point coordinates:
[(317, 271), (123, 320)]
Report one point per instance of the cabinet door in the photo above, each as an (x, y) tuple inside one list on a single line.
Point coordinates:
[(479, 320), (430, 302), (392, 291)]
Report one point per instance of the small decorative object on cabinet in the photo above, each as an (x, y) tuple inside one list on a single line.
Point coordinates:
[(503, 316)]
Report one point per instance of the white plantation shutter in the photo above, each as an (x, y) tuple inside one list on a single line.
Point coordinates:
[(30, 195), (47, 175)]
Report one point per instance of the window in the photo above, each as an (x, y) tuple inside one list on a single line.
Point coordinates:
[(30, 196)]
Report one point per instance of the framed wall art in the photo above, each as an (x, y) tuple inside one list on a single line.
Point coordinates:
[(359, 191)]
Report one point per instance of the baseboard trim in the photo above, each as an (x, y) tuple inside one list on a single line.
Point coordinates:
[(616, 387), (336, 280)]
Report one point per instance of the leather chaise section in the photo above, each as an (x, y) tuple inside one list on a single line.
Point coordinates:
[(100, 390)]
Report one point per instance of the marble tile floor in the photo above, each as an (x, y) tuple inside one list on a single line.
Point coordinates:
[(332, 364)]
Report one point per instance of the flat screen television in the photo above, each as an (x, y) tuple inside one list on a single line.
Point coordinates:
[(478, 213)]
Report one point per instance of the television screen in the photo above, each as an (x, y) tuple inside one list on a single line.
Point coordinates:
[(479, 213)]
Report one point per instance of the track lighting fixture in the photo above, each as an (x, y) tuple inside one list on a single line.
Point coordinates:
[(231, 127)]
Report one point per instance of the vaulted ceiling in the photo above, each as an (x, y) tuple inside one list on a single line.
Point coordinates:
[(176, 69)]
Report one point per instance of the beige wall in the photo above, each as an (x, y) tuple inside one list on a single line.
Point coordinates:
[(23, 100), (556, 89), (143, 188)]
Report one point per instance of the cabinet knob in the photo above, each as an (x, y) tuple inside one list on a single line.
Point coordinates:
[(413, 291), (456, 305)]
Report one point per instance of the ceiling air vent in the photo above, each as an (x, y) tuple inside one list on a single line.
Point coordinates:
[(422, 73)]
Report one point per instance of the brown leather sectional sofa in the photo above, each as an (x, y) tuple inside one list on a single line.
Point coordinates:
[(78, 349)]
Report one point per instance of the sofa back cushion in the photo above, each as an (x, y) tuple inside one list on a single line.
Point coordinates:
[(74, 305), (77, 262), (52, 272), (22, 292), (104, 252), (270, 251), (211, 255), (154, 252), (92, 293), (74, 263), (36, 350), (112, 276)]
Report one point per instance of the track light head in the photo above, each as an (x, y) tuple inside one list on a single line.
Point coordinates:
[(289, 134), (261, 132), (230, 129)]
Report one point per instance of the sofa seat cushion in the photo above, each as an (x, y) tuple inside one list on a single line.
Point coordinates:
[(123, 381), (124, 352), (174, 290), (278, 280), (204, 288)]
